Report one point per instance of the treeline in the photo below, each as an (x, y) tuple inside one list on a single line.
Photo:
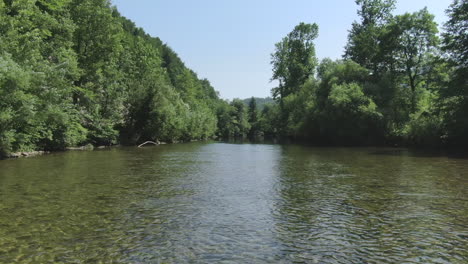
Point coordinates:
[(399, 83), (76, 72)]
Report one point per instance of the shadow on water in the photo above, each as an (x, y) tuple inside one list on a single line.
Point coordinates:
[(424, 153)]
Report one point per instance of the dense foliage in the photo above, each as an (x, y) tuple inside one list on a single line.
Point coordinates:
[(397, 83), (74, 72)]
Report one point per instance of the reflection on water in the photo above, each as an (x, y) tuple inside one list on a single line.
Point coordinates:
[(228, 203)]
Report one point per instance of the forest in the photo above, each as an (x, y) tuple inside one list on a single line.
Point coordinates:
[(76, 72), (400, 82)]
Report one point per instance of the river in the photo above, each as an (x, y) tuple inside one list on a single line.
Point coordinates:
[(234, 203)]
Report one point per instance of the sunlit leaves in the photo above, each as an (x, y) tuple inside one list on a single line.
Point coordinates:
[(294, 59)]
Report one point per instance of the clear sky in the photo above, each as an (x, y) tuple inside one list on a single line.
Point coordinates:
[(229, 42)]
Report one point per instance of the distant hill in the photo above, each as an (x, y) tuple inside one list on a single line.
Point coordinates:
[(261, 102)]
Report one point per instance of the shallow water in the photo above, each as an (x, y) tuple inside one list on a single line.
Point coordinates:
[(234, 203)]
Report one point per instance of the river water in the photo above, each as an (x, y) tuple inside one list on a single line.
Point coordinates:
[(234, 203)]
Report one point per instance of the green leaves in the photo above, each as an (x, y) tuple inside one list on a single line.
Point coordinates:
[(367, 43), (455, 37), (76, 72), (344, 113), (454, 99), (294, 59)]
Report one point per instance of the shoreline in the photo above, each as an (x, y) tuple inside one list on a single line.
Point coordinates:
[(25, 154), (88, 147), (446, 151)]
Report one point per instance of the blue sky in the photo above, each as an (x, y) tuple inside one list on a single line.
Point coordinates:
[(230, 42)]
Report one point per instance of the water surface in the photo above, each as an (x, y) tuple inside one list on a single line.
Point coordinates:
[(234, 203)]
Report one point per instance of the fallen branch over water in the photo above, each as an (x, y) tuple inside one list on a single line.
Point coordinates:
[(148, 142)]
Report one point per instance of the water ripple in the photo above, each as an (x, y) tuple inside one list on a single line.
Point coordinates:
[(222, 203)]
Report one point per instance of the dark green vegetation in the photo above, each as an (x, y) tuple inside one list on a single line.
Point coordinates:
[(75, 72), (234, 203), (398, 81)]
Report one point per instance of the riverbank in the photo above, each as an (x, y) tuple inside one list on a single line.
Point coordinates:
[(28, 154), (88, 147), (429, 150), (25, 154)]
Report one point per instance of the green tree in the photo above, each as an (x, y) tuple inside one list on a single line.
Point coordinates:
[(455, 37), (75, 72), (100, 94), (36, 45), (294, 63), (269, 120), (455, 96), (253, 111), (344, 113), (225, 128), (253, 118), (417, 39), (294, 60), (366, 40), (233, 120), (240, 118), (350, 117)]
